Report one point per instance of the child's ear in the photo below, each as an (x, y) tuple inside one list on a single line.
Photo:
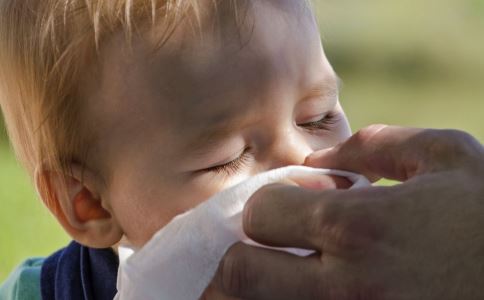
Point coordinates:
[(75, 201)]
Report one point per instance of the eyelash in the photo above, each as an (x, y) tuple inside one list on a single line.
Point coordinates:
[(232, 167), (326, 123)]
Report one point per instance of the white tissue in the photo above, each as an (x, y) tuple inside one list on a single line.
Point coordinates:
[(181, 259)]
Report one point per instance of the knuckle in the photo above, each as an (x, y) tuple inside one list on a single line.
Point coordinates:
[(453, 138), (452, 146), (320, 218), (234, 277), (330, 228), (349, 226)]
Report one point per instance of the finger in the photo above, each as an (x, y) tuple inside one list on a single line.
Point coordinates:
[(398, 153), (324, 182), (335, 221), (256, 273), (213, 293), (277, 215)]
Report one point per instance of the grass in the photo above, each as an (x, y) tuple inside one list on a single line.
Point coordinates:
[(415, 63)]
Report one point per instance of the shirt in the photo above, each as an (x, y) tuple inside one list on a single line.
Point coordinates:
[(24, 282)]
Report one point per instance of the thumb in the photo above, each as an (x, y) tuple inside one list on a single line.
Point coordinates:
[(392, 152)]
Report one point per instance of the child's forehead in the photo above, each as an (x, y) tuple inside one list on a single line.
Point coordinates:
[(211, 79), (194, 56)]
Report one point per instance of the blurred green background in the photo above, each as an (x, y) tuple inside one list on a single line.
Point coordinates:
[(414, 62)]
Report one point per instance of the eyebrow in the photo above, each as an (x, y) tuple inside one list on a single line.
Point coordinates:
[(327, 88)]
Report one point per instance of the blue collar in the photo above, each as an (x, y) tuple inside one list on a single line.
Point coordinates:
[(80, 273)]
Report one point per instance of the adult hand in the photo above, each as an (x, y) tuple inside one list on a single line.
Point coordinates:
[(422, 239)]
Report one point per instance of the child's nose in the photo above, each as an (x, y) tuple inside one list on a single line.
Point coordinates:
[(289, 149)]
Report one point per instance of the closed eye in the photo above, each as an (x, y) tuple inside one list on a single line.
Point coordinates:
[(232, 167), (326, 123)]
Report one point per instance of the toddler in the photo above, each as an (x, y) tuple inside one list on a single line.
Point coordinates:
[(128, 113)]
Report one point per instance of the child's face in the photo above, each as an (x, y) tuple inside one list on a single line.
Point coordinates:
[(201, 115)]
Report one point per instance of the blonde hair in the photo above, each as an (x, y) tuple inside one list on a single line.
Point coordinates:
[(45, 48)]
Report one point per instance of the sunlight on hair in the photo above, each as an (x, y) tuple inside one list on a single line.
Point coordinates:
[(49, 45)]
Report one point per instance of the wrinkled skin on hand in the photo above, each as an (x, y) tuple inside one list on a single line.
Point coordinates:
[(422, 239)]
